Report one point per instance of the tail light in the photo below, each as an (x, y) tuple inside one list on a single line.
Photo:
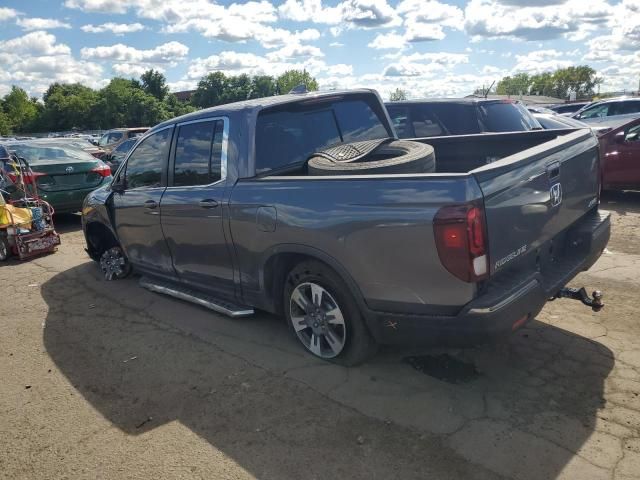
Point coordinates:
[(461, 241), (102, 170), (28, 177)]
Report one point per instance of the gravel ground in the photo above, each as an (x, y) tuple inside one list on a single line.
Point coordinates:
[(107, 380)]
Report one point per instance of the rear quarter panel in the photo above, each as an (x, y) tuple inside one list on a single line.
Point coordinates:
[(378, 229)]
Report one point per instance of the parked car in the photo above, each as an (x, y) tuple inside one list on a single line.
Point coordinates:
[(76, 142), (112, 138), (568, 108), (223, 207), (117, 155), (64, 175), (620, 157), (458, 116), (612, 109)]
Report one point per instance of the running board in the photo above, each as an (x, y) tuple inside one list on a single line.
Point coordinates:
[(183, 293)]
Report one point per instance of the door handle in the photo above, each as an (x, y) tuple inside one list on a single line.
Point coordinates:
[(208, 203), (151, 204)]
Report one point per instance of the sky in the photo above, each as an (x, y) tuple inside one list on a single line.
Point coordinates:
[(426, 47)]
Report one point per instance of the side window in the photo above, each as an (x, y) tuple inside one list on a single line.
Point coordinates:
[(114, 137), (198, 154), (400, 118), (632, 134), (629, 107), (425, 123), (145, 164), (596, 111)]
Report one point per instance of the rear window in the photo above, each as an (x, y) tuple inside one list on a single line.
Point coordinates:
[(46, 153), (289, 135), (506, 117)]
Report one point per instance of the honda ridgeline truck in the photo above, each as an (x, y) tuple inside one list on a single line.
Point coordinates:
[(303, 205)]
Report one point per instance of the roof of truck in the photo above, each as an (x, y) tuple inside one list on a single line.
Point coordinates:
[(465, 100), (256, 104)]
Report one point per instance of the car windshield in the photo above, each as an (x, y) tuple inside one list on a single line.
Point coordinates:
[(506, 117), (289, 135), (601, 110), (50, 153)]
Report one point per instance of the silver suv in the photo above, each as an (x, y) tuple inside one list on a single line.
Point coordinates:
[(610, 110)]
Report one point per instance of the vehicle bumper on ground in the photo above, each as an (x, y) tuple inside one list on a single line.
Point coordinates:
[(507, 304)]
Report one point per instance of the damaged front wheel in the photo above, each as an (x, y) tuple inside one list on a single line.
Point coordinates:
[(114, 264)]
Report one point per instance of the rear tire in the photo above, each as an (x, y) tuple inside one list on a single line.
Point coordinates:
[(324, 316), (397, 156)]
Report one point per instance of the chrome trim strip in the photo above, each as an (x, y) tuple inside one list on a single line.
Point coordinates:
[(511, 298), (174, 292)]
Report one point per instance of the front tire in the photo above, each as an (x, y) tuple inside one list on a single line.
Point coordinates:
[(114, 264), (324, 316)]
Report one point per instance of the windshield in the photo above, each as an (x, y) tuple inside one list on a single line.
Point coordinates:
[(50, 153), (289, 135), (506, 117)]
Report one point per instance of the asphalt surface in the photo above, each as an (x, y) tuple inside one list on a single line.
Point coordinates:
[(106, 380)]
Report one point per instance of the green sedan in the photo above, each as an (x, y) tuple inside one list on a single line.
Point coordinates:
[(63, 174)]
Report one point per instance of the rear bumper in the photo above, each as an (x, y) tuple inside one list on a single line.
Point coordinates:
[(507, 304), (68, 201)]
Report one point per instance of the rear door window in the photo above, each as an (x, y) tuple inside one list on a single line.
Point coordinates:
[(198, 153), (629, 107)]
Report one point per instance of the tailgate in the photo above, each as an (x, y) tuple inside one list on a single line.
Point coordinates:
[(534, 195)]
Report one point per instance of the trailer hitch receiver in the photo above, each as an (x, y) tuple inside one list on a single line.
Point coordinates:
[(594, 301)]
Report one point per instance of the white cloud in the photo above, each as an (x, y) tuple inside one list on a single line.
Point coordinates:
[(30, 24), (101, 6), (7, 13), (34, 44), (131, 70), (35, 60), (290, 52), (355, 13), (115, 28), (540, 61), (522, 20), (390, 40), (167, 53)]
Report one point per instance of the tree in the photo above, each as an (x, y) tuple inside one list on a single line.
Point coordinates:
[(398, 94), (262, 86), (292, 78), (68, 106), (237, 88), (5, 125), (516, 85), (210, 90), (20, 109), (155, 83)]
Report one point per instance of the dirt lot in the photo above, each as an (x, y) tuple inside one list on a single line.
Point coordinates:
[(106, 380)]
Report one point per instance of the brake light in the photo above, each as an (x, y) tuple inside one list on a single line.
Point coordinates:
[(461, 241), (102, 170), (29, 177)]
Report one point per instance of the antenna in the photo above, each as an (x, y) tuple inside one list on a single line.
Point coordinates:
[(486, 92)]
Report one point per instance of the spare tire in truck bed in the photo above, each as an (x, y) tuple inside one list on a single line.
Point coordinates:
[(385, 156)]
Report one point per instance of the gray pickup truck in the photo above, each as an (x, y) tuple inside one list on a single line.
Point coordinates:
[(219, 207)]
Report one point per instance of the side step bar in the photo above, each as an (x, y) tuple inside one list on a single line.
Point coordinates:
[(217, 305)]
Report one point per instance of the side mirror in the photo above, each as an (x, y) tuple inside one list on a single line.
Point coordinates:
[(119, 185), (620, 137)]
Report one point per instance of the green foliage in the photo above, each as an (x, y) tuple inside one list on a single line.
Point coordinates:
[(155, 83), (292, 78), (21, 110), (5, 126), (397, 95), (581, 79), (131, 103), (262, 86)]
